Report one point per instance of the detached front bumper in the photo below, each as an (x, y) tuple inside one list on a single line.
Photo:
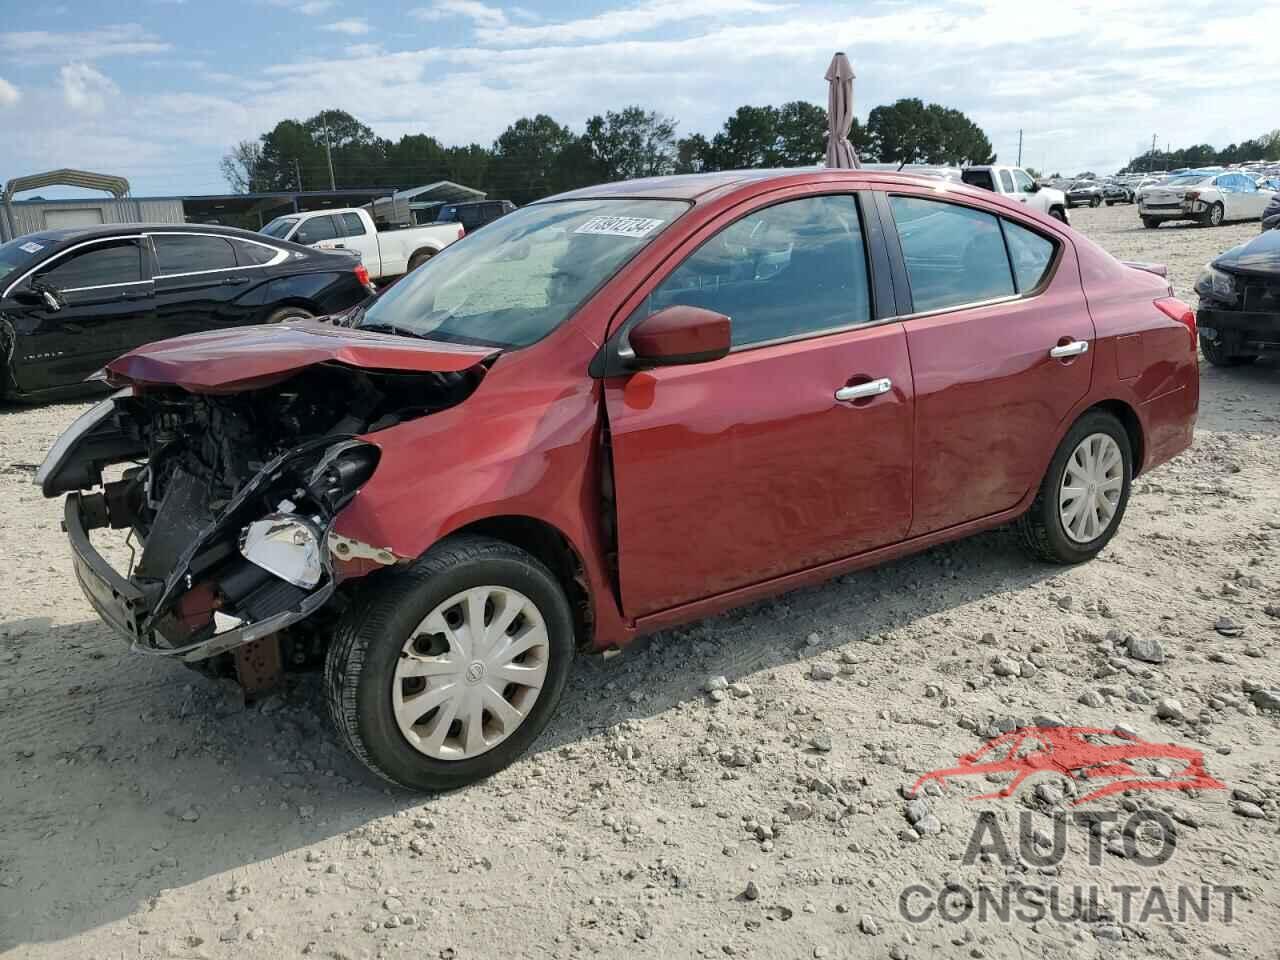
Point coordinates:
[(1240, 329), (127, 608)]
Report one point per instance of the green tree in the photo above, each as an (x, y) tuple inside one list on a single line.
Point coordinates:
[(909, 131), (693, 154), (632, 143), (527, 159)]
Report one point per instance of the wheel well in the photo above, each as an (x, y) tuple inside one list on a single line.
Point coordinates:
[(1124, 413), (312, 308), (429, 251), (554, 549)]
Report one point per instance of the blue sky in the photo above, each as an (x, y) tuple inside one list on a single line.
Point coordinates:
[(158, 90)]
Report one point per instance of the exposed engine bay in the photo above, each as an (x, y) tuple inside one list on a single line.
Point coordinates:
[(231, 496)]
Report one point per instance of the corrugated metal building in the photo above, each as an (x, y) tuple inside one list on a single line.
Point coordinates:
[(33, 216)]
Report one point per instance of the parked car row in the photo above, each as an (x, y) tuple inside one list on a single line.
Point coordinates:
[(504, 459), (1209, 198)]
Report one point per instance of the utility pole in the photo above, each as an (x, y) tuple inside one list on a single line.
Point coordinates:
[(1019, 146), (297, 174), (1153, 154), (327, 151)]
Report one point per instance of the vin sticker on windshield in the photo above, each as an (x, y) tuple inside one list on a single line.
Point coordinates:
[(31, 247), (620, 226)]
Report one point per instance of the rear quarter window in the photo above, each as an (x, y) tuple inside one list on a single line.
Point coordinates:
[(1031, 255), (955, 255)]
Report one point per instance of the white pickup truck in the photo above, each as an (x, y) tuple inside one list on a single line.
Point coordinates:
[(1016, 184), (386, 253)]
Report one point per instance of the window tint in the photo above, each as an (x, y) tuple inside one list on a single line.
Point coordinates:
[(353, 224), (253, 254), (1006, 181), (954, 254), (791, 269), (1031, 255), (118, 261), (315, 230), (176, 253), (1023, 181)]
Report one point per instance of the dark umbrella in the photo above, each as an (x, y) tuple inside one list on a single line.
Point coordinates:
[(840, 152)]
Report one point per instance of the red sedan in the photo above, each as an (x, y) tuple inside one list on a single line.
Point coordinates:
[(609, 412)]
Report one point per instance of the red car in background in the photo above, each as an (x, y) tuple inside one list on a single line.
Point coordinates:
[(609, 412)]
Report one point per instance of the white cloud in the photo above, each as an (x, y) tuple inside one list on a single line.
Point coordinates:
[(482, 14), (308, 8), (86, 89), (621, 22), (353, 27), (9, 94), (43, 46)]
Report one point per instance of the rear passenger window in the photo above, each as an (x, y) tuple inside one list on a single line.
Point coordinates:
[(188, 253), (315, 230), (353, 224), (792, 269), (955, 255), (254, 254), (1031, 255), (1006, 181)]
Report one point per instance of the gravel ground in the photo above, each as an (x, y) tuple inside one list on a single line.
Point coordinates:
[(145, 812)]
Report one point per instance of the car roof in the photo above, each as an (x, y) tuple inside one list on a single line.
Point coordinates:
[(698, 186), (97, 230)]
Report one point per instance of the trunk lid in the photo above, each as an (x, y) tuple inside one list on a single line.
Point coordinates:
[(228, 361)]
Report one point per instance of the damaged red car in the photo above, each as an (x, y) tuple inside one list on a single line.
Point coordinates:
[(609, 412)]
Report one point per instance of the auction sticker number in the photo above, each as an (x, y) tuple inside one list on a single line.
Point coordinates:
[(620, 226), (30, 247)]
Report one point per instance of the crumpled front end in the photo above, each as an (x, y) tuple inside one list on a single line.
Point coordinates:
[(227, 502)]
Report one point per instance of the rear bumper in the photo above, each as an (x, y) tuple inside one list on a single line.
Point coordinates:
[(125, 606)]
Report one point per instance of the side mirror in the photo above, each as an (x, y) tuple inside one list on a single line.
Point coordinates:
[(679, 334), (38, 297), (1035, 187)]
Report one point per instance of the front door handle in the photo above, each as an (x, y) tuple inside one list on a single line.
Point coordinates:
[(860, 391), (1072, 349)]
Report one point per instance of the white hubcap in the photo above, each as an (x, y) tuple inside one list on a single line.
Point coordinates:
[(1091, 488), (470, 673)]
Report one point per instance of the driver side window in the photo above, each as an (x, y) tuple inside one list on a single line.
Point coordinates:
[(1024, 182), (796, 268)]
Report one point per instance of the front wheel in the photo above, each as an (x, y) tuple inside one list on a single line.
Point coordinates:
[(1219, 356), (446, 672), (1095, 202), (1083, 495), (1215, 216), (1150, 222)]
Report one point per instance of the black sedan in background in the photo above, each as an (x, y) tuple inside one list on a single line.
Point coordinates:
[(1116, 192), (1084, 193), (72, 300)]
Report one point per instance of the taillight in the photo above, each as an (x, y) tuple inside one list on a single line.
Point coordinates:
[(362, 274), (1193, 194), (1175, 309), (462, 231)]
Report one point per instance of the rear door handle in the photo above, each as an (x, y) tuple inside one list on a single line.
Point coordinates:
[(860, 391), (1072, 349)]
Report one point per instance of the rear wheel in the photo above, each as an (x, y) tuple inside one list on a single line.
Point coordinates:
[(1218, 355), (1058, 214), (445, 673), (1095, 202), (289, 313), (1150, 222), (1083, 495), (1215, 216)]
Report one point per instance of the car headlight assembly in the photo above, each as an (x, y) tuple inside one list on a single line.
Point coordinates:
[(286, 545), (1222, 284)]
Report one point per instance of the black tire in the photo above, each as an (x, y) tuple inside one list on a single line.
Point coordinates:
[(289, 313), (419, 258), (1095, 202), (360, 664), (1214, 218), (1111, 203), (1040, 528), (1150, 223), (1217, 355), (1058, 214)]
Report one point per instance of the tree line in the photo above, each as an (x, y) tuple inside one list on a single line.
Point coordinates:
[(1265, 147), (538, 156)]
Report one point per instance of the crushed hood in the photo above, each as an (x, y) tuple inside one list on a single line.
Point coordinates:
[(250, 357), (1260, 256)]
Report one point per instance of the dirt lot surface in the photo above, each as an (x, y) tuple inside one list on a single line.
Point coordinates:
[(146, 812)]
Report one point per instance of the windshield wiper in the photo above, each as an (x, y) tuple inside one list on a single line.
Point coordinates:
[(387, 327)]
